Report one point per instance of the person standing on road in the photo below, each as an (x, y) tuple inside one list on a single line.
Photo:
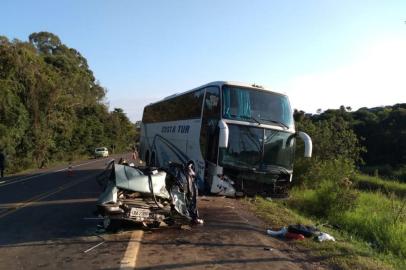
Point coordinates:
[(2, 162), (135, 153)]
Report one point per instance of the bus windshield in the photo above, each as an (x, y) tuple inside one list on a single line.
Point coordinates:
[(256, 106), (258, 148)]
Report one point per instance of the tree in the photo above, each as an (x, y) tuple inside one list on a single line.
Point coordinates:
[(51, 105), (336, 149)]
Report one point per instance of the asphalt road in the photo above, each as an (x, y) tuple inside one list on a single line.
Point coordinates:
[(47, 221)]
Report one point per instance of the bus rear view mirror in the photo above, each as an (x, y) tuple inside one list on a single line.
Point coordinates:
[(308, 145), (224, 132)]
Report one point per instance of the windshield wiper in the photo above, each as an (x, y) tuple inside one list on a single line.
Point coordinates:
[(251, 118), (276, 122)]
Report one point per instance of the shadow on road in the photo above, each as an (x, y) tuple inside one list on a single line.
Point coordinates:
[(48, 208)]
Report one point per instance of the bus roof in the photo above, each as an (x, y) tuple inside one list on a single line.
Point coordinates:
[(220, 84)]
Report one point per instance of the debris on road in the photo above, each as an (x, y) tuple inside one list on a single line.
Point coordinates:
[(90, 249), (277, 233), (325, 237), (307, 231), (300, 232), (294, 236)]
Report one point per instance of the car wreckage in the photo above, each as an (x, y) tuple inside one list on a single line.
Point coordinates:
[(148, 195)]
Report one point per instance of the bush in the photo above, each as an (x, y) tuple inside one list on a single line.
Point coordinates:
[(329, 201), (312, 173), (334, 199)]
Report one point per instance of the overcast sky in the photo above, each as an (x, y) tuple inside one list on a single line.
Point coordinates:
[(323, 54)]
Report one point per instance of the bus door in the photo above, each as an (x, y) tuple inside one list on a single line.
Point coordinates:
[(209, 133)]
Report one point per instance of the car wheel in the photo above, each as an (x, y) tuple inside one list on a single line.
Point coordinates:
[(111, 225)]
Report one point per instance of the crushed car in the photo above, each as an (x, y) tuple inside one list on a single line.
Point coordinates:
[(148, 196)]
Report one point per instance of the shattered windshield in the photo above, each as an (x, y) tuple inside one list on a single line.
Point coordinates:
[(256, 106), (258, 148)]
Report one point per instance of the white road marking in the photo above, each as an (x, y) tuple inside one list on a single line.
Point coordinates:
[(130, 256)]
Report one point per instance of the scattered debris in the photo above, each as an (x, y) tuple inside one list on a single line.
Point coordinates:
[(294, 236), (197, 221), (223, 185), (325, 237), (300, 232), (277, 233), (90, 249), (307, 231)]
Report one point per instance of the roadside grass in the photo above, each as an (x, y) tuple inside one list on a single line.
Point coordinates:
[(350, 251), (32, 167), (372, 183), (377, 219), (386, 171)]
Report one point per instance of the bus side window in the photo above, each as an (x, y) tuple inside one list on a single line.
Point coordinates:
[(211, 116)]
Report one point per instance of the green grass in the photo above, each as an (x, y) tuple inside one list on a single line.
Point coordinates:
[(375, 218), (348, 252), (365, 182), (379, 220)]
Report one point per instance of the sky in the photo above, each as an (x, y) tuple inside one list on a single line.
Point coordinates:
[(322, 54)]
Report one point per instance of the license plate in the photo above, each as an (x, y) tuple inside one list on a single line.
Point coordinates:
[(139, 213)]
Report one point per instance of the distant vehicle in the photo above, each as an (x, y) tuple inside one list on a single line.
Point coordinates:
[(240, 137), (101, 152)]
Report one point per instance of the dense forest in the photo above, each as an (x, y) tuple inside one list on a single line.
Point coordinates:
[(51, 106), (372, 139)]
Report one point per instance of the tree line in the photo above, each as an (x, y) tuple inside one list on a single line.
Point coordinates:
[(372, 140), (51, 105)]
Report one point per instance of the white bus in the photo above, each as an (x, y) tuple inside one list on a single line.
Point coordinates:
[(240, 137)]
